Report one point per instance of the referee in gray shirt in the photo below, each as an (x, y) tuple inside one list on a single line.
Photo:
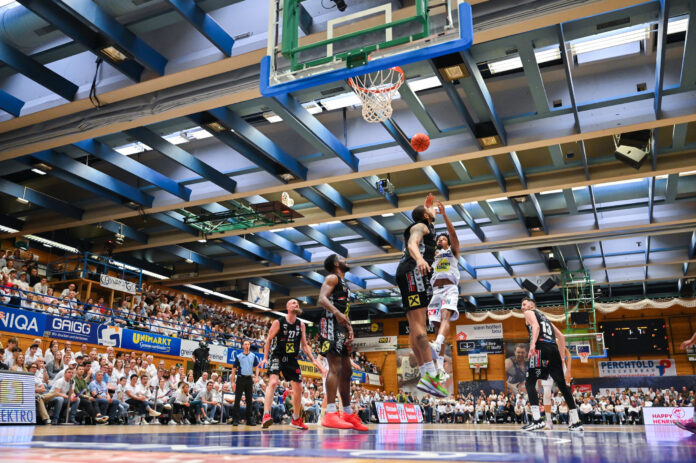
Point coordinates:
[(244, 369)]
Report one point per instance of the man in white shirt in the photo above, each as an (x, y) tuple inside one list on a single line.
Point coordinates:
[(31, 356), (60, 394), (586, 411), (42, 286), (66, 292), (201, 383), (137, 398), (151, 368)]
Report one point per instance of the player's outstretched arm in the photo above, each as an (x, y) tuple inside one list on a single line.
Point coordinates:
[(689, 342), (454, 241), (531, 320), (417, 233)]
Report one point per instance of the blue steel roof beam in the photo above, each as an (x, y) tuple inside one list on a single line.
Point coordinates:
[(285, 244), (106, 153), (367, 235), (472, 300), (437, 182), (197, 258), (125, 230), (500, 298), (241, 252), (533, 75), (690, 253), (369, 184), (653, 149), (520, 214), (87, 186), (672, 187), (80, 33), (461, 171), (579, 255), (356, 280), (379, 273), (302, 122), (556, 154), (12, 222), (561, 258), (470, 222), (400, 138), (182, 157), (37, 72), (89, 174), (119, 34), (539, 212), (272, 285), (380, 230), (651, 198), (688, 70), (569, 76), (594, 206), (322, 239), (416, 106), (40, 199), (176, 221), (252, 248), (583, 158), (335, 197), (256, 138), (496, 172), (378, 306), (206, 25), (454, 97), (679, 131), (490, 213), (660, 57), (604, 265), (570, 201), (312, 278), (518, 168), (484, 93), (10, 104), (321, 202), (647, 256)]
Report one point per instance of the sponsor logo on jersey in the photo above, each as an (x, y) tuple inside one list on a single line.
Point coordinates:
[(414, 300)]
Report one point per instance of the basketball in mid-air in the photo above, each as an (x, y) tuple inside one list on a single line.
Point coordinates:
[(420, 142)]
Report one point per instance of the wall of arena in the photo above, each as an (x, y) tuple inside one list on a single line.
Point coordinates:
[(680, 321)]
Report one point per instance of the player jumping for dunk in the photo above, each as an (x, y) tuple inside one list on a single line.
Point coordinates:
[(544, 361), (413, 279), (285, 338), (336, 336), (445, 281)]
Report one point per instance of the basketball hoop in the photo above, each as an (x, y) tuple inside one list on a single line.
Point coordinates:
[(376, 91), (584, 356)]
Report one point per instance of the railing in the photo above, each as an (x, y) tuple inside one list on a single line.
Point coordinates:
[(59, 306), (89, 266)]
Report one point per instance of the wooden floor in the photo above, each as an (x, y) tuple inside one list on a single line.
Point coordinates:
[(382, 443)]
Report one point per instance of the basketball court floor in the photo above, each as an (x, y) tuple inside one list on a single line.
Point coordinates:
[(384, 443)]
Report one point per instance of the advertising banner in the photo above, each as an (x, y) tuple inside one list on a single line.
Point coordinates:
[(403, 328), (109, 336), (583, 388), (217, 353), (308, 369), (17, 405), (358, 377), (478, 359), (691, 353), (368, 329), (490, 346), (150, 342), (70, 329), (375, 344), (667, 415), (373, 379), (480, 331), (390, 412), (628, 368), (22, 321), (117, 284)]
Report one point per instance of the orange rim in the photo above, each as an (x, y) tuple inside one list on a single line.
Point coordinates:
[(396, 85)]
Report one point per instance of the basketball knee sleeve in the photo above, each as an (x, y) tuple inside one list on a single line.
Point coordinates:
[(547, 395)]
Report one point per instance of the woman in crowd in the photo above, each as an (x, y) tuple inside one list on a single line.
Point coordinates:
[(51, 352), (56, 365)]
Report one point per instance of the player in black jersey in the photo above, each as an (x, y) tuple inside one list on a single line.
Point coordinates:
[(413, 278), (544, 361), (285, 339), (336, 336)]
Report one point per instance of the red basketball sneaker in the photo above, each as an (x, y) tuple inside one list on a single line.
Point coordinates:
[(267, 420), (355, 420), (332, 420), (687, 425), (299, 424)]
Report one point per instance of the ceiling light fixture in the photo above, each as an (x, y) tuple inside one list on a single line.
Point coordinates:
[(23, 200), (508, 64), (55, 244), (114, 54), (36, 170)]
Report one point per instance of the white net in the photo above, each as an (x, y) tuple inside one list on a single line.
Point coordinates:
[(376, 91)]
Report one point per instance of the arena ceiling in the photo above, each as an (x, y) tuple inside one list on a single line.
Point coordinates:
[(179, 127)]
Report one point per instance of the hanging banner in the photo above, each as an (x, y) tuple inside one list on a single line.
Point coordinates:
[(480, 331), (490, 346), (375, 344), (478, 359), (667, 415), (691, 353), (217, 353), (117, 284), (22, 321), (150, 342), (373, 379), (629, 368), (390, 412), (71, 330), (368, 329)]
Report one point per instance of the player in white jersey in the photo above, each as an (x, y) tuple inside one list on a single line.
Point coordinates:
[(445, 281), (547, 384)]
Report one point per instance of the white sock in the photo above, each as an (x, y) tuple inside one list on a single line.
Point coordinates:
[(440, 339), (347, 410), (536, 416), (295, 416), (429, 367), (422, 370), (574, 418), (548, 418), (441, 362), (331, 408)]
